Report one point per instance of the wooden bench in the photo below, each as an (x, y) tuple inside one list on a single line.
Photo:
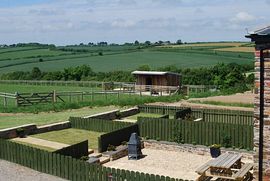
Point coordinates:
[(243, 172), (202, 169)]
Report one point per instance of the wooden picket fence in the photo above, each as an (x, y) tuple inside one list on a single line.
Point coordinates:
[(202, 133), (208, 115), (98, 125), (67, 167)]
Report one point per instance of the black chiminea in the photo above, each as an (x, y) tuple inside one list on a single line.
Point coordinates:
[(134, 147)]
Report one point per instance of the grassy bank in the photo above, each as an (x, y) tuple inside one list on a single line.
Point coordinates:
[(218, 103)]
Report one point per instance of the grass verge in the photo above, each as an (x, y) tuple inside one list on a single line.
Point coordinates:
[(218, 103)]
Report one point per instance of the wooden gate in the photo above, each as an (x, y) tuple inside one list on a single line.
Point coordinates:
[(27, 99)]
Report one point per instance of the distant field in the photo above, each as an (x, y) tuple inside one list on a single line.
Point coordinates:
[(237, 49), (12, 88), (124, 57), (207, 44)]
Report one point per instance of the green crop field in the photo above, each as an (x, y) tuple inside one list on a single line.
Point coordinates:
[(123, 57)]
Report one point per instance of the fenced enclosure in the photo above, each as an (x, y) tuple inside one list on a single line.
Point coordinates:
[(202, 133), (208, 115), (67, 167), (98, 125)]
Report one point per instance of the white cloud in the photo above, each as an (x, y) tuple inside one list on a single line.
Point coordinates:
[(243, 17), (69, 21)]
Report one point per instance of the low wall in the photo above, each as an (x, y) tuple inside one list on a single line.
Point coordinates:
[(30, 129), (129, 112), (12, 132), (52, 127), (196, 149), (110, 115)]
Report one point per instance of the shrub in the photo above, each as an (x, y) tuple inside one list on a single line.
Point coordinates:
[(111, 148), (227, 141)]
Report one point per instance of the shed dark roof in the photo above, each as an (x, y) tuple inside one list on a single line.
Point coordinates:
[(152, 73), (263, 31), (261, 35)]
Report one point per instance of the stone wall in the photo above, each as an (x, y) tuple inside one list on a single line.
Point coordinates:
[(196, 149), (30, 129), (110, 115), (266, 162), (129, 112), (12, 132)]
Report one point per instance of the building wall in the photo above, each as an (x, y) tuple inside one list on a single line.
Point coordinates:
[(266, 164), (162, 80)]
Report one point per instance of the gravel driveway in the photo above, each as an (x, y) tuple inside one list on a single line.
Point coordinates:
[(14, 172)]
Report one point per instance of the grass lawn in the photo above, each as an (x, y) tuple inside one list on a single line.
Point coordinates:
[(15, 119), (71, 136), (218, 103), (152, 115)]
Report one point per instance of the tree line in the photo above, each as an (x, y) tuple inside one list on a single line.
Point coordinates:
[(226, 76)]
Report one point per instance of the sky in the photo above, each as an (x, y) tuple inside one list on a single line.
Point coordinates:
[(64, 22)]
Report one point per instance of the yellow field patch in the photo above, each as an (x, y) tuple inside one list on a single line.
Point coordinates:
[(236, 44), (237, 49)]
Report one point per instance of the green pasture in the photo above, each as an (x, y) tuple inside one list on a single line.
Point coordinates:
[(30, 53), (132, 60), (24, 88), (16, 119)]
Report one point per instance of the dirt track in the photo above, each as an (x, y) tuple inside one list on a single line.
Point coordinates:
[(245, 98)]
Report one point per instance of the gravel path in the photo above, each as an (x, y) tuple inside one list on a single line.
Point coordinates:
[(41, 142), (14, 172)]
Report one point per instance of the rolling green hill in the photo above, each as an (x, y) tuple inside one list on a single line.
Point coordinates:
[(108, 58)]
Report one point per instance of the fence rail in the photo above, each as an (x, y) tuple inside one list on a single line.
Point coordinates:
[(202, 133), (208, 115), (67, 167)]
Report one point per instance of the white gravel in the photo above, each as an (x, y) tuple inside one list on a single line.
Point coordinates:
[(14, 172), (168, 163)]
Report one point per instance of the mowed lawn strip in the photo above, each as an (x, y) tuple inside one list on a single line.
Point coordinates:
[(16, 119), (71, 136), (152, 115)]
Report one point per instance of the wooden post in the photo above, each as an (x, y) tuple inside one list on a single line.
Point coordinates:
[(140, 90), (82, 96), (105, 94), (54, 96), (69, 96), (92, 95), (5, 100), (118, 95), (16, 99)]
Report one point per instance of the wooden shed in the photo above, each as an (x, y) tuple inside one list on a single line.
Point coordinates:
[(157, 81)]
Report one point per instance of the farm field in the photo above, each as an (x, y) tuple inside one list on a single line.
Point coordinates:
[(12, 88), (11, 120), (71, 136), (126, 57)]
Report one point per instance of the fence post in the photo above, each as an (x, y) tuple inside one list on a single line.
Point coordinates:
[(16, 99), (82, 96), (54, 96), (92, 96), (118, 95), (5, 100)]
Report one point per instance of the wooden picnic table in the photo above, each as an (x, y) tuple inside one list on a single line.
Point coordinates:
[(226, 166)]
